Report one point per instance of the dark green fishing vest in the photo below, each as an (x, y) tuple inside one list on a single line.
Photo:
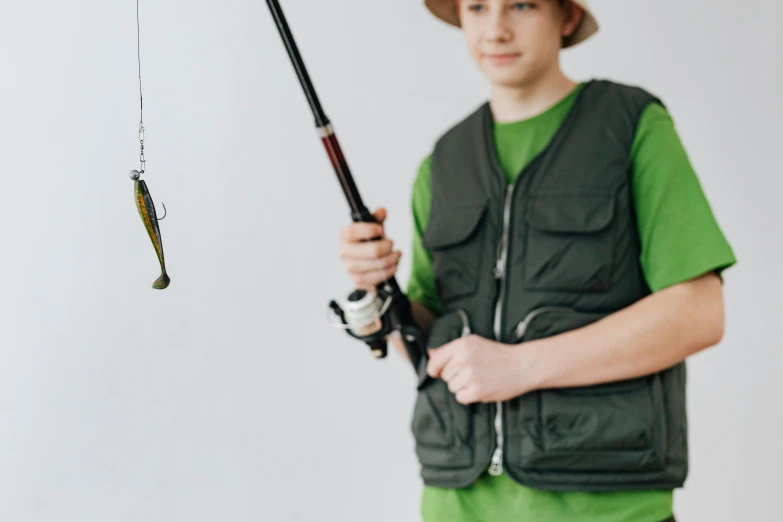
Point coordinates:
[(555, 251)]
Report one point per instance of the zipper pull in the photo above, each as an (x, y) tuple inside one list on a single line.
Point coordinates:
[(522, 326), (521, 329), (465, 323), (500, 268), (497, 463)]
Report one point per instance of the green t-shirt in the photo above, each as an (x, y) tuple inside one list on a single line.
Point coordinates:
[(680, 240)]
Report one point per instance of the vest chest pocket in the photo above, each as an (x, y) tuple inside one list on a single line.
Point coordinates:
[(456, 238), (570, 243)]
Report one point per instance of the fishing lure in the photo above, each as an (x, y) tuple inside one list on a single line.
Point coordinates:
[(148, 215), (141, 193)]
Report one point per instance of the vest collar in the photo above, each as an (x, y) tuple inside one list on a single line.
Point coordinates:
[(487, 131)]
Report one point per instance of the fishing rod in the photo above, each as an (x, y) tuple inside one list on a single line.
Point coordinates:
[(367, 317)]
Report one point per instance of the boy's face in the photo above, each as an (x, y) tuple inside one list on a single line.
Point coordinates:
[(513, 42)]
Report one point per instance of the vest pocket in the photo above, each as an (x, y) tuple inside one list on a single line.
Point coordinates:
[(454, 237), (431, 423), (570, 243), (441, 426), (615, 426), (599, 430)]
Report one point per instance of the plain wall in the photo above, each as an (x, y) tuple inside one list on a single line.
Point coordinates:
[(228, 396)]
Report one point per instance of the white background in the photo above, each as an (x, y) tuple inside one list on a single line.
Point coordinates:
[(228, 396)]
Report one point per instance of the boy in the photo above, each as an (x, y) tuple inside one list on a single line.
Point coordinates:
[(565, 264)]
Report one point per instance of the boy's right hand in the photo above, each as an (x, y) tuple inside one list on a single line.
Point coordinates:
[(368, 262)]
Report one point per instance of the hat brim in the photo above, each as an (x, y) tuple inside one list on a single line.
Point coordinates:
[(446, 10)]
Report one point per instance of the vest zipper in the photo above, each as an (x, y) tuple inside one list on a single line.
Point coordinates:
[(496, 467), (522, 326)]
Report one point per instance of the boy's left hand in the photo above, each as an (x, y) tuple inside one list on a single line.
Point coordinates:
[(478, 369)]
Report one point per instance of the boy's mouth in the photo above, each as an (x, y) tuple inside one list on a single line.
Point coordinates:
[(501, 58)]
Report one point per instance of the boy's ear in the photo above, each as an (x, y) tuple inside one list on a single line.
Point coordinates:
[(571, 20)]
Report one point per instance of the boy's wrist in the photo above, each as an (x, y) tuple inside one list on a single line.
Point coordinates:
[(530, 361)]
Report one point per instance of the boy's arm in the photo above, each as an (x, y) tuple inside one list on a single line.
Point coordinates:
[(650, 335), (682, 250)]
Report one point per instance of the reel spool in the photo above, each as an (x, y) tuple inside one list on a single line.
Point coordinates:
[(363, 316)]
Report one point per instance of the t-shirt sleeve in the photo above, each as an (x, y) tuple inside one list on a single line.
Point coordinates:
[(421, 285), (680, 237)]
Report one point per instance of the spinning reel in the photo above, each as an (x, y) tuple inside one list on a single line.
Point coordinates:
[(371, 317)]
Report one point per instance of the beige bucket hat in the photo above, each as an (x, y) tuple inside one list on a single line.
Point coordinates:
[(446, 10)]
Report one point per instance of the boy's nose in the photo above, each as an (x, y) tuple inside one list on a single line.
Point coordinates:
[(497, 27)]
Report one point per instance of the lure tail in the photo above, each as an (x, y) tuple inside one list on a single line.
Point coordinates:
[(148, 216)]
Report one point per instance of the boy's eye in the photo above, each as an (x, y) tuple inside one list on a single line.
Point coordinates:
[(519, 6)]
